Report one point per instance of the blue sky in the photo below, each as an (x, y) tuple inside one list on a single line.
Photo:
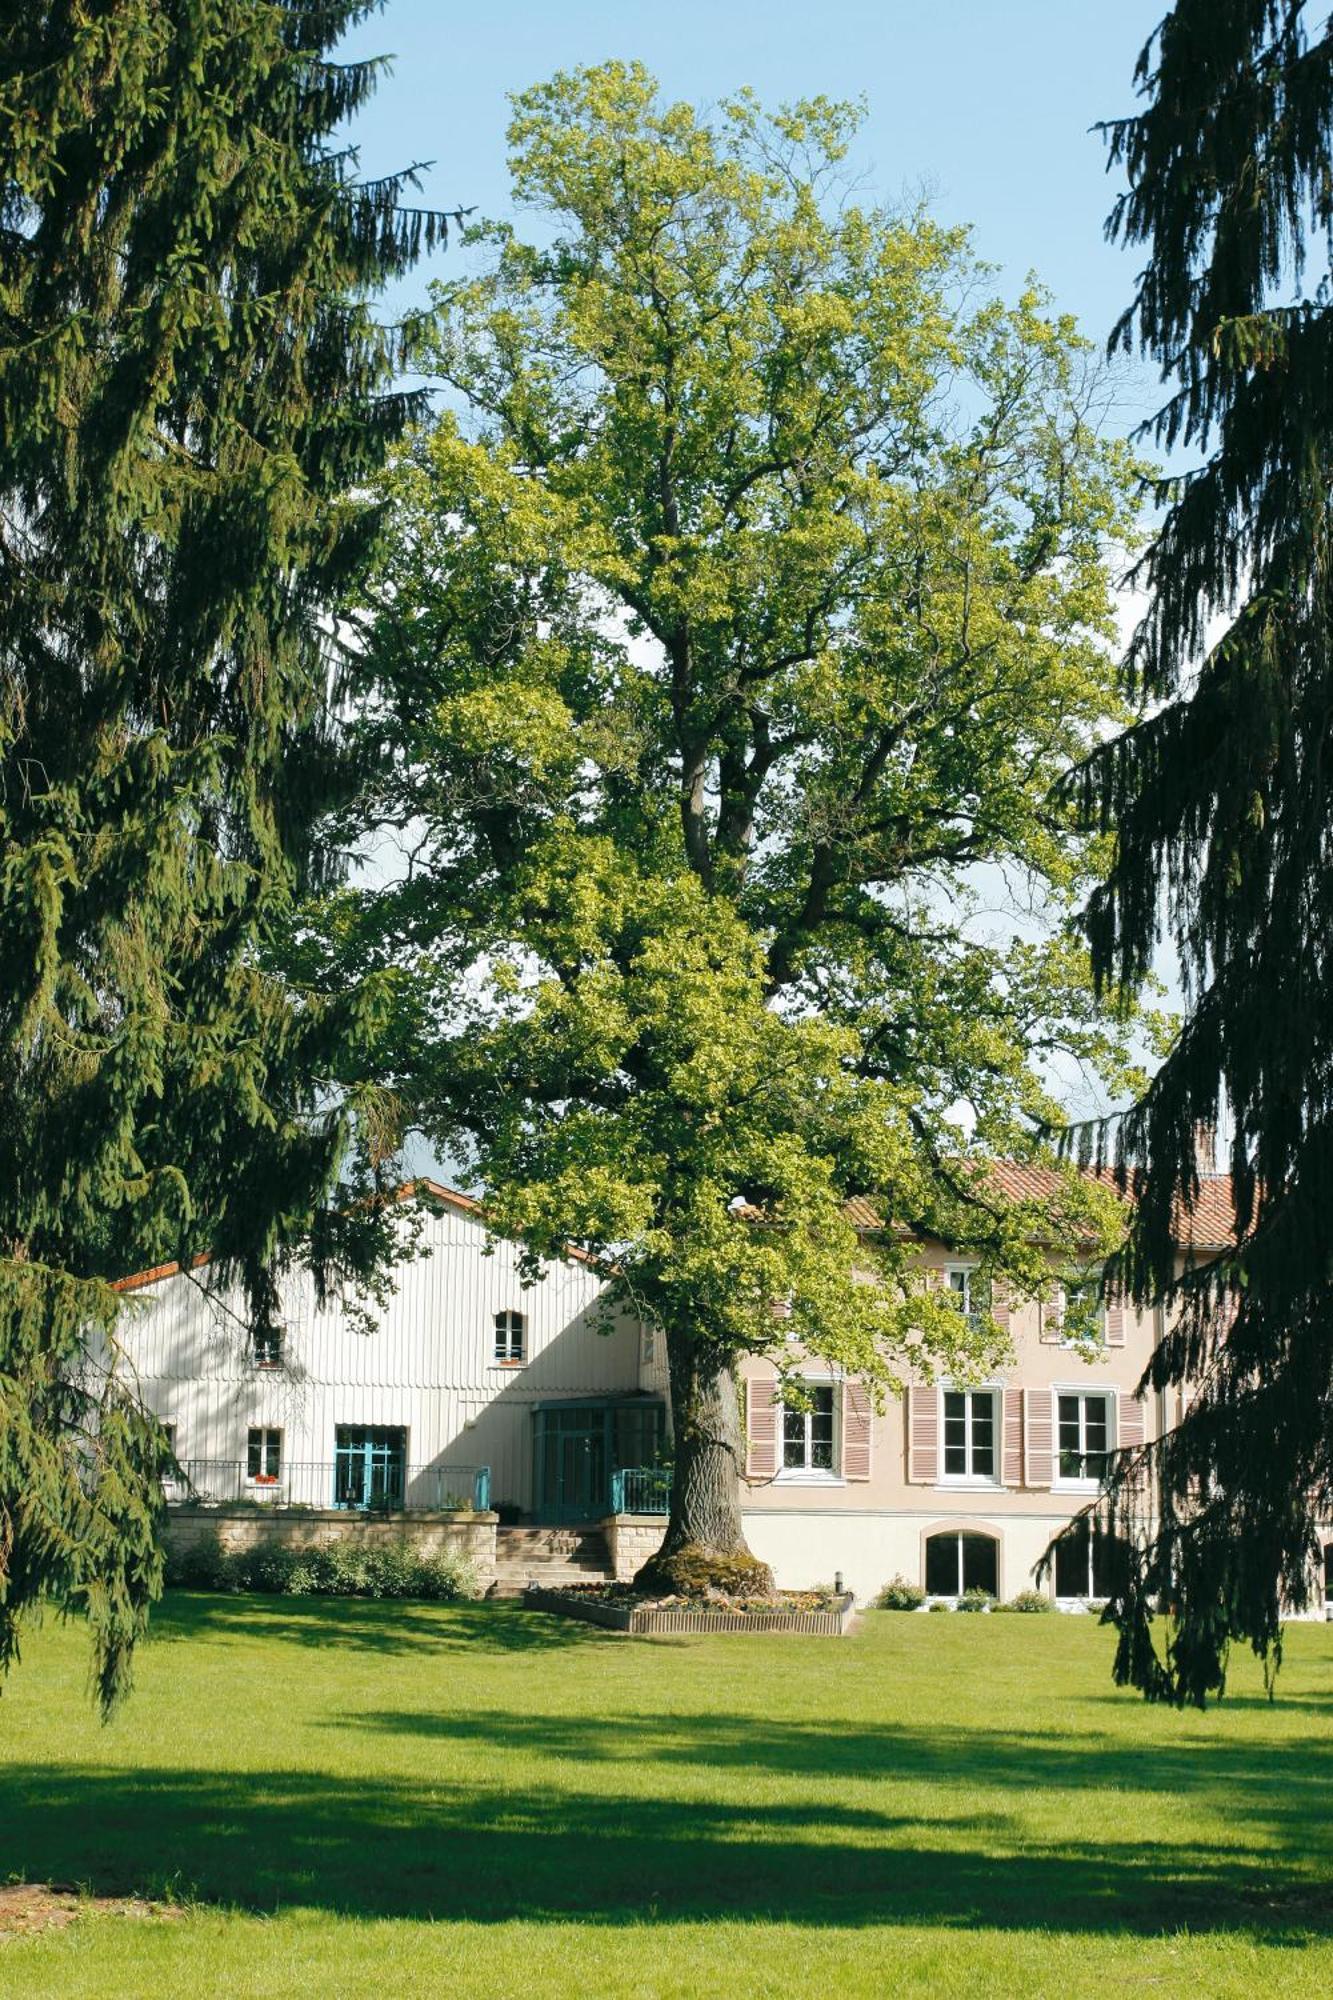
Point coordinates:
[(986, 104)]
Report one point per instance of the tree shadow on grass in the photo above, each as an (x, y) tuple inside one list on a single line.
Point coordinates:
[(1281, 1784), (379, 1626), (487, 1851)]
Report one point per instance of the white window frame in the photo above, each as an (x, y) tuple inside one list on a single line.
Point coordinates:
[(509, 1314), (1060, 1482), (807, 1474), (1088, 1599), (273, 1337), (266, 1476), (1062, 1305), (967, 1272), (172, 1485), (987, 1481), (956, 1536)]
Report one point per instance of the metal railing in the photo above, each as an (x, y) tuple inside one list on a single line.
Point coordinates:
[(223, 1482), (641, 1489)]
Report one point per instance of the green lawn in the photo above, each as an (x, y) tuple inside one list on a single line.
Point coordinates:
[(402, 1800)]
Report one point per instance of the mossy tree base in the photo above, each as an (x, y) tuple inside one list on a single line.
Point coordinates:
[(696, 1571)]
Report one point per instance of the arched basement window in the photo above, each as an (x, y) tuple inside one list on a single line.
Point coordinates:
[(1089, 1564), (962, 1561)]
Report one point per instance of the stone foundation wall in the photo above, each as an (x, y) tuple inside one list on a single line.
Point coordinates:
[(631, 1539), (241, 1528)]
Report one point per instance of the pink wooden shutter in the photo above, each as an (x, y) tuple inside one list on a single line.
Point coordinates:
[(1052, 1318), (999, 1305), (761, 1429), (1129, 1427), (1039, 1441), (855, 1431), (923, 1436), (1013, 1437), (1115, 1319)]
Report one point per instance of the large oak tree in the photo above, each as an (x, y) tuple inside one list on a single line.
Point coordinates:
[(732, 626)]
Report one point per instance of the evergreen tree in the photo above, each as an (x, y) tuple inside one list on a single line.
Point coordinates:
[(745, 608), (191, 383), (1220, 807)]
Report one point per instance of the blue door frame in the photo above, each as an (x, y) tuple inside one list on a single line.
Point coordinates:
[(578, 1447), (369, 1466)]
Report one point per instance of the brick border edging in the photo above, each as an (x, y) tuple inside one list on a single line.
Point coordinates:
[(642, 1621)]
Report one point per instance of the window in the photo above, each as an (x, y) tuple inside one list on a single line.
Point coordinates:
[(1089, 1562), (268, 1347), (807, 1434), (510, 1337), (966, 1288), (1081, 1310), (1328, 1572), (959, 1562), (969, 1434), (175, 1484), (1084, 1435), (265, 1457)]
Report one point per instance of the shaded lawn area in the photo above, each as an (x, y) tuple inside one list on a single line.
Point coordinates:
[(482, 1800)]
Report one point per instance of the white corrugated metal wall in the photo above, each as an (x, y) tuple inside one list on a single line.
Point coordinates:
[(428, 1364)]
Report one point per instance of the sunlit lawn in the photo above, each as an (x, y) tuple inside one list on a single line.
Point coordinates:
[(397, 1799)]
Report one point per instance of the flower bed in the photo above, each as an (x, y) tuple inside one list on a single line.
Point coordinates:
[(617, 1608)]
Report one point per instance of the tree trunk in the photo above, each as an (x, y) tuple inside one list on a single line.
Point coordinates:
[(704, 1547)]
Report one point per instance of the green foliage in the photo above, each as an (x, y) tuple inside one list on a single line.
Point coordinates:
[(1218, 805), (190, 384), (340, 1569), (727, 635), (1034, 1602), (976, 1599), (900, 1595)]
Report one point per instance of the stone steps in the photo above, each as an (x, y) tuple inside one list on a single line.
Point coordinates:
[(551, 1556)]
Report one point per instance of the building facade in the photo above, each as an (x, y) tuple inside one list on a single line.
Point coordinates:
[(470, 1390)]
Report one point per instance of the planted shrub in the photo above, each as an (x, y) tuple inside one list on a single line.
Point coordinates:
[(940, 1607), (976, 1600), (1027, 1600), (200, 1567), (900, 1595), (391, 1569)]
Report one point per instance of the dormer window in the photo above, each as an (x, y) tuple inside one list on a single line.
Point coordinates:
[(511, 1343)]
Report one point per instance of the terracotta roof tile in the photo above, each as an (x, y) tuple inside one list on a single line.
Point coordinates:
[(1210, 1226)]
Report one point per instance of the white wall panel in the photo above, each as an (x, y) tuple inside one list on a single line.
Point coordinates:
[(426, 1364)]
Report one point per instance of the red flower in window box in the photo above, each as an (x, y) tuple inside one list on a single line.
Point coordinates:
[(266, 1479)]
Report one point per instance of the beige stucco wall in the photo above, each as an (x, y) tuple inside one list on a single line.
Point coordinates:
[(1035, 1363), (808, 1526)]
